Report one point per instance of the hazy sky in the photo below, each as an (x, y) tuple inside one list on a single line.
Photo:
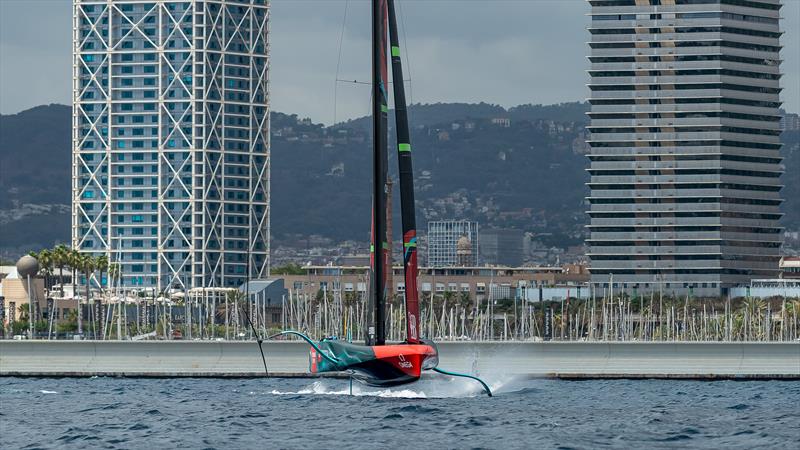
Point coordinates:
[(507, 52)]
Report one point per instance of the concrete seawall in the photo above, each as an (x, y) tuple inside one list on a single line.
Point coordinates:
[(695, 360)]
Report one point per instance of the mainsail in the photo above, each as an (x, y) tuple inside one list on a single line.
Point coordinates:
[(380, 163), (406, 185)]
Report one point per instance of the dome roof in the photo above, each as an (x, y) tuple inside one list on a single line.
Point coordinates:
[(463, 245), (27, 266)]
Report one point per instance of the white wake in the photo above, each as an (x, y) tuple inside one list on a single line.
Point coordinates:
[(342, 387), (430, 386)]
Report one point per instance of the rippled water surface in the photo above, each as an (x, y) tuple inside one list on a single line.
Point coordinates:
[(435, 413)]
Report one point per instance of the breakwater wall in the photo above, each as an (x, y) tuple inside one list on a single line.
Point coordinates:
[(570, 360)]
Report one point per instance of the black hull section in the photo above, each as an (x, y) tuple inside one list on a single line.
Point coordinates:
[(379, 365), (380, 374)]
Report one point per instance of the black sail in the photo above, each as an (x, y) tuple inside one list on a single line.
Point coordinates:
[(406, 184), (380, 165)]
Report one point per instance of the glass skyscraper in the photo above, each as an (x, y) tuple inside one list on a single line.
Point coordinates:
[(685, 144), (452, 243), (171, 139)]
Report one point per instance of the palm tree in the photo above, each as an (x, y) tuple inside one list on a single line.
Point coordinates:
[(45, 264), (22, 324), (113, 273), (46, 260), (87, 265), (61, 259), (74, 262), (24, 312), (101, 264)]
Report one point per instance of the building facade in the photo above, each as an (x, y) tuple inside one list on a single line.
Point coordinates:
[(790, 267), (452, 243), (790, 121), (476, 283), (171, 139), (684, 138), (502, 246)]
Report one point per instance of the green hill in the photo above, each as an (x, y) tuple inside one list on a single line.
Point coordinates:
[(526, 173)]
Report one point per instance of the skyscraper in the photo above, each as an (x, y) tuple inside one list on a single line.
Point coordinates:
[(171, 139), (502, 246), (452, 243), (684, 137)]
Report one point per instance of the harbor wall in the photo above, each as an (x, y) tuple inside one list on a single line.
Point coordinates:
[(697, 360)]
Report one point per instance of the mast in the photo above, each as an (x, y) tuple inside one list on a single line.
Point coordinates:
[(370, 306), (379, 168), (389, 241), (406, 185)]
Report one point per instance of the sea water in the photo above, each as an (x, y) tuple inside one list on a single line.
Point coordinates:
[(436, 413)]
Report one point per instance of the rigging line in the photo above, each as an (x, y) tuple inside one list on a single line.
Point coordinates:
[(353, 82), (339, 60), (332, 359), (244, 310), (253, 329), (363, 82)]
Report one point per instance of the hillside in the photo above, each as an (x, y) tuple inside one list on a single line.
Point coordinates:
[(526, 173), (34, 156), (35, 174)]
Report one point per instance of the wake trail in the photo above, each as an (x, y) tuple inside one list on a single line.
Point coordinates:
[(323, 388), (429, 387)]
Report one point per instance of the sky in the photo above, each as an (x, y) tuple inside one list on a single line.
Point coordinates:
[(505, 52)]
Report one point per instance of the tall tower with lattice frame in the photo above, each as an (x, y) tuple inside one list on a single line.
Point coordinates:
[(171, 150)]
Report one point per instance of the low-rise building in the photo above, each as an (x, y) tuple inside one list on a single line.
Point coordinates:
[(14, 299), (267, 297), (14, 293), (790, 122), (790, 267), (477, 283), (502, 246), (768, 288), (453, 243)]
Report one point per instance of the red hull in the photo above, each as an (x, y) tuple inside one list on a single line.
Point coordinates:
[(379, 365)]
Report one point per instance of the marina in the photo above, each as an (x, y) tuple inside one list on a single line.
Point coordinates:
[(220, 313)]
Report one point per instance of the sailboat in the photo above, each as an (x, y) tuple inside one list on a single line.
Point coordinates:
[(377, 363)]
